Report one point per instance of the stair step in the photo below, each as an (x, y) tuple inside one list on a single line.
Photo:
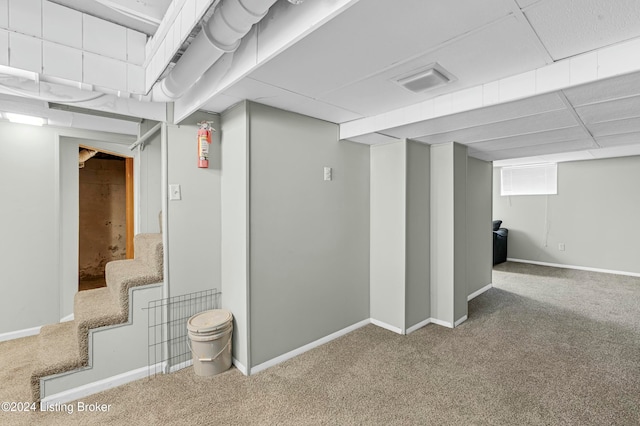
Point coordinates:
[(65, 346), (94, 309), (148, 249), (121, 275), (58, 352)]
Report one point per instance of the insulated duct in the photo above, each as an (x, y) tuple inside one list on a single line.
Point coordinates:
[(231, 20)]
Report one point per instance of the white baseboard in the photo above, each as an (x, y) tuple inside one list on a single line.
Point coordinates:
[(418, 325), (479, 292), (95, 387), (240, 366), (460, 321), (180, 366), (442, 323), (579, 268), (277, 360), (19, 333), (67, 318), (387, 326)]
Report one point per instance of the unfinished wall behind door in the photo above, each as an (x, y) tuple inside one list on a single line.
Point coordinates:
[(103, 230)]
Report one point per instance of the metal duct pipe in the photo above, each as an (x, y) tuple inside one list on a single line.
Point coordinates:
[(232, 20)]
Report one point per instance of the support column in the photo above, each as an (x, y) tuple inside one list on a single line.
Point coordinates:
[(448, 234)]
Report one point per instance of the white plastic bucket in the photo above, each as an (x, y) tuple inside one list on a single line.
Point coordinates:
[(210, 341)]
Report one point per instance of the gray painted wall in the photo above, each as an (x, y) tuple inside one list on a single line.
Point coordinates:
[(460, 231), (479, 235), (309, 237), (441, 183), (69, 217), (29, 253), (417, 293), (595, 214), (149, 182), (388, 177), (194, 221), (39, 267), (235, 224)]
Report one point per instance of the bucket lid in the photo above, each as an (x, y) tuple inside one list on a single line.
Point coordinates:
[(208, 321)]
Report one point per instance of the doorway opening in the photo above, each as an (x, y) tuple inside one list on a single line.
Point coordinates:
[(105, 213)]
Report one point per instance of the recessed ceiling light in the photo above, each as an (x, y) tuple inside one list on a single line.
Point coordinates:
[(24, 119), (425, 78)]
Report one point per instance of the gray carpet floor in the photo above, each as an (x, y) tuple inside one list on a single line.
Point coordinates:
[(545, 346)]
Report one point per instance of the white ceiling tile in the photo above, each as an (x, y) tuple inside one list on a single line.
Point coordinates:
[(105, 72), (598, 91), (549, 158), (571, 27), (274, 96), (538, 138), (553, 77), (610, 110), (518, 86), (538, 150), (467, 99), (497, 51), (25, 16), (519, 126), (491, 93), (4, 48), (4, 13), (584, 68), (61, 24), (492, 114), (619, 59), (607, 128), (135, 79), (104, 38), (25, 52), (619, 140), (443, 105), (136, 43), (372, 36), (61, 61)]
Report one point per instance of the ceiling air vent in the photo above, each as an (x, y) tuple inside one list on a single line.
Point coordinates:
[(425, 78)]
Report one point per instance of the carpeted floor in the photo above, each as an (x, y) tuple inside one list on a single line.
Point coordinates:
[(545, 346)]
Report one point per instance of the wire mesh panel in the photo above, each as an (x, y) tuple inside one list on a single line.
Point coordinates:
[(168, 349)]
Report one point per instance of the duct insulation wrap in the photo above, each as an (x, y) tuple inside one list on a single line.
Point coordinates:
[(222, 34)]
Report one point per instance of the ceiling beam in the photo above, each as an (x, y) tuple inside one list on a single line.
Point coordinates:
[(597, 65)]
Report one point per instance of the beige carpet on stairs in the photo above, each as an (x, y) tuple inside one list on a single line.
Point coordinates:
[(544, 347), (64, 347)]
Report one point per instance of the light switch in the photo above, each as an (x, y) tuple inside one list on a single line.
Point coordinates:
[(175, 192), (328, 173)]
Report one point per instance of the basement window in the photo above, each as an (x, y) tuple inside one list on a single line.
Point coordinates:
[(536, 179)]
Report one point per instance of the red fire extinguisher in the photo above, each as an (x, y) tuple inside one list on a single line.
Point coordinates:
[(204, 140)]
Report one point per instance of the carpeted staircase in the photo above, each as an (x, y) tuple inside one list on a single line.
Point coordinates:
[(65, 346)]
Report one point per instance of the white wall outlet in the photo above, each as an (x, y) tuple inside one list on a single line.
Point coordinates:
[(561, 246), (175, 192), (328, 172)]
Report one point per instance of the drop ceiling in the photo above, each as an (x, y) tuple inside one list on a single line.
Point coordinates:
[(344, 70)]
